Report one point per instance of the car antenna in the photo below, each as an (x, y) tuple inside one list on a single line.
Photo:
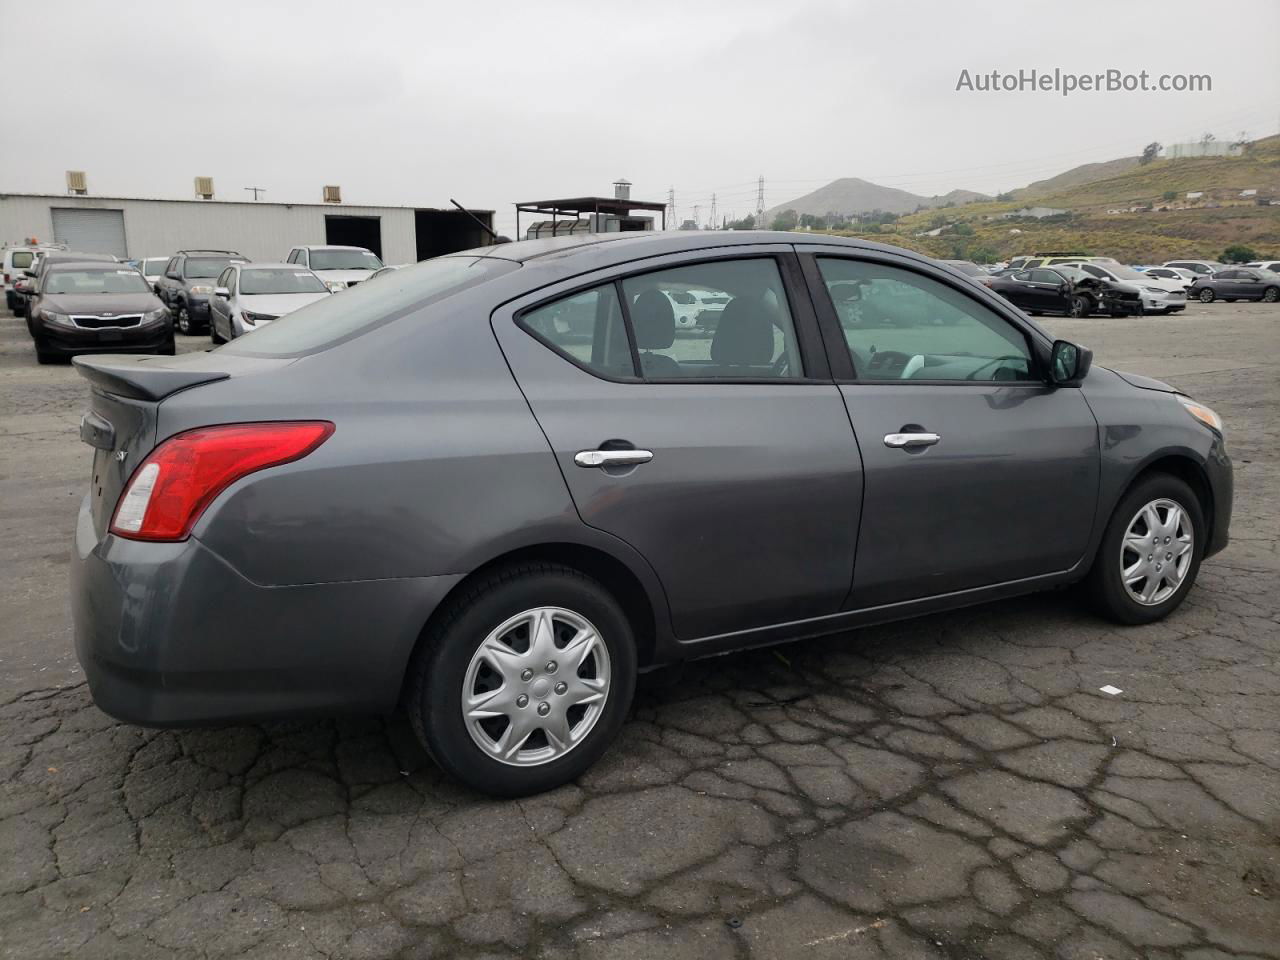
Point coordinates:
[(483, 226)]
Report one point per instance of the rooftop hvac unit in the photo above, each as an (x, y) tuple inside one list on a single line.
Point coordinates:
[(204, 188), (332, 194), (76, 182)]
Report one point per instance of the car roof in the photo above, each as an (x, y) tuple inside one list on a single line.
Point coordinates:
[(206, 253), (81, 262), (329, 246), (654, 243), (57, 256), (261, 265)]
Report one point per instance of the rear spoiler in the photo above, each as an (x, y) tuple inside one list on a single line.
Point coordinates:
[(144, 377)]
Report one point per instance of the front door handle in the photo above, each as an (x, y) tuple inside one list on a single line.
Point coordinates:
[(611, 458), (911, 439)]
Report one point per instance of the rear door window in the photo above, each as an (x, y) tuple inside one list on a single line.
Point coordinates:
[(588, 329)]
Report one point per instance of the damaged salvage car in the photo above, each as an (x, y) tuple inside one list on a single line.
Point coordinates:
[(1067, 291), (431, 491)]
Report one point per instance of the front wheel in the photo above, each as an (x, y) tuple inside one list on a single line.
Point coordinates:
[(1206, 296), (524, 681), (184, 322), (1150, 552), (1079, 307)]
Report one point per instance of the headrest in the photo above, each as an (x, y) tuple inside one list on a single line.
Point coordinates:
[(744, 334), (654, 321)]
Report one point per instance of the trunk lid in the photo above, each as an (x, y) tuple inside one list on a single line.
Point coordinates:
[(124, 402)]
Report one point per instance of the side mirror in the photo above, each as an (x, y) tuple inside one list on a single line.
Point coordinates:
[(222, 292), (1069, 363), (22, 286), (28, 273), (172, 276)]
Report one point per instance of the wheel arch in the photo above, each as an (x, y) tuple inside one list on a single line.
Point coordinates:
[(1186, 468)]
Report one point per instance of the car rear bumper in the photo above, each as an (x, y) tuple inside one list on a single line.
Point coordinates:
[(169, 634)]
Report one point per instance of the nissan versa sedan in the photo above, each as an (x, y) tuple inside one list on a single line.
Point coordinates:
[(428, 491), (96, 307), (250, 295), (1237, 283)]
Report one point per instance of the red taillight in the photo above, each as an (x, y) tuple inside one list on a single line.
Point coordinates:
[(170, 489)]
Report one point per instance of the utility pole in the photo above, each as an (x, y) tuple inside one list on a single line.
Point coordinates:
[(256, 191), (760, 203), (671, 208), (713, 212)]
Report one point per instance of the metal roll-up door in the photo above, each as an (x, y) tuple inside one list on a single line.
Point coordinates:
[(90, 231)]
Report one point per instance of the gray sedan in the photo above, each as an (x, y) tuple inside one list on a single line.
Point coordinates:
[(433, 491), (251, 295)]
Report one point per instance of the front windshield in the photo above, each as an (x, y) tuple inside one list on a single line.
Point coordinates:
[(344, 260), (96, 281), (279, 280), (199, 267), (153, 268)]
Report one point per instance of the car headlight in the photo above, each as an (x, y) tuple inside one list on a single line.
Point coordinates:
[(61, 318), (336, 286), (1153, 290), (1201, 413), (151, 316), (201, 288)]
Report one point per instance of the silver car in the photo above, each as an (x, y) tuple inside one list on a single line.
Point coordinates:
[(250, 295)]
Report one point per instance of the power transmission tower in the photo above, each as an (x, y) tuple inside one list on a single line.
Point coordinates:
[(697, 209), (760, 203), (671, 208), (713, 211)]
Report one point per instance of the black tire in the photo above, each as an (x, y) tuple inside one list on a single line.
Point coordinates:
[(1206, 295), (1079, 307), (214, 336), (168, 348), (1105, 582), (439, 667), (183, 321), (1271, 295), (44, 356)]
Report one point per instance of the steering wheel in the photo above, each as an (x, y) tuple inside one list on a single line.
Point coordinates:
[(888, 360), (973, 375)]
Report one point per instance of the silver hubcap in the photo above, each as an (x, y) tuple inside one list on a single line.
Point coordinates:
[(536, 686), (1156, 552)]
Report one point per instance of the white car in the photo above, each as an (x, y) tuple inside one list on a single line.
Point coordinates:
[(1201, 268), (1176, 274), (1159, 295), (152, 268), (251, 295), (338, 267), (1272, 265), (685, 306)]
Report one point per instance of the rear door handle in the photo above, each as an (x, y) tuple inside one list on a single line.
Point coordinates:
[(911, 439), (611, 458)]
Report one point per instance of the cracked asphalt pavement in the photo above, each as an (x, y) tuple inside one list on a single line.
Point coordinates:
[(957, 786)]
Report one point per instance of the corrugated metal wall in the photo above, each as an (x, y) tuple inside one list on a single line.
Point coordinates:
[(260, 231)]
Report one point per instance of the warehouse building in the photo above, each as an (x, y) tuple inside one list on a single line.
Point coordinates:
[(134, 227)]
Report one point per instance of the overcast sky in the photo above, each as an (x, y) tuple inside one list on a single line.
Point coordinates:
[(493, 101)]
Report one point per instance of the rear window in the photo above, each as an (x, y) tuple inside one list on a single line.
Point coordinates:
[(198, 267), (358, 309), (22, 259)]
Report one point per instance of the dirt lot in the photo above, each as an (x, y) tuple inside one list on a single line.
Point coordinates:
[(950, 787)]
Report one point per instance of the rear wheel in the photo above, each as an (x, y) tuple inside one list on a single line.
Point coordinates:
[(1206, 295), (524, 681), (1150, 552), (1271, 295)]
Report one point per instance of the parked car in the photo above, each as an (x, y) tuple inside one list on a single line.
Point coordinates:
[(967, 267), (152, 268), (1272, 265), (381, 496), (388, 268), (1237, 283), (1066, 290), (14, 263), (1199, 267), (1178, 274), (339, 267), (96, 307), (250, 295), (187, 285), (1158, 295), (31, 279)]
